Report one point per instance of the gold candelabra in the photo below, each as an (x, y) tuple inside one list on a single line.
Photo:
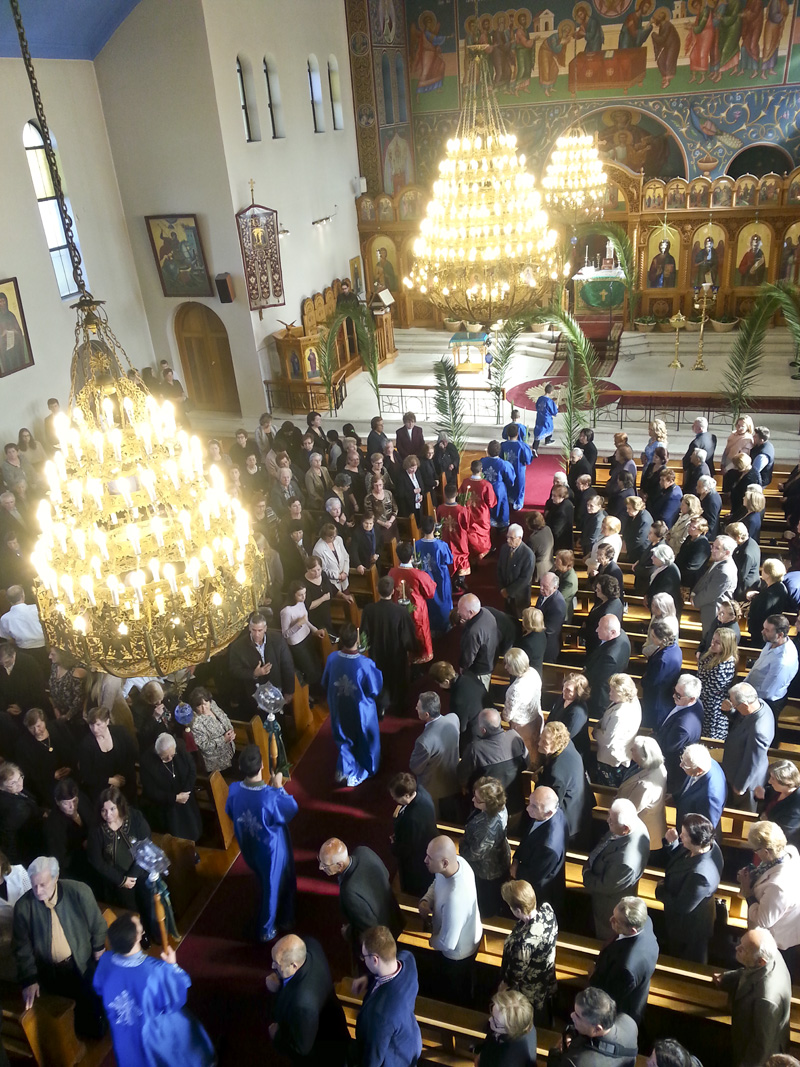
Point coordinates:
[(678, 322), (703, 294)]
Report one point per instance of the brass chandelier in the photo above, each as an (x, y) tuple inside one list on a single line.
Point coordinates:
[(145, 565), (575, 181), (485, 251)]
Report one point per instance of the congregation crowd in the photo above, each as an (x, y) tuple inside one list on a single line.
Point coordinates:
[(92, 763)]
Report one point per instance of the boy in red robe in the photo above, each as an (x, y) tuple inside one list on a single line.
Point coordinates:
[(483, 500), (454, 518), (419, 589)]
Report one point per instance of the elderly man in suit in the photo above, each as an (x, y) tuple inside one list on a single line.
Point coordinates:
[(308, 1025), (625, 966), (751, 732), (702, 439), (479, 638), (554, 609), (611, 656), (409, 439), (515, 566), (760, 996), (615, 865), (703, 790), (746, 557), (434, 759), (542, 850), (681, 727), (710, 501), (717, 581), (497, 753)]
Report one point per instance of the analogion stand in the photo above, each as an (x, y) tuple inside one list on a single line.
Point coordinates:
[(467, 341)]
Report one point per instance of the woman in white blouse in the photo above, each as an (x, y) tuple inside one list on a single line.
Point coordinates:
[(14, 880), (645, 786), (523, 706), (616, 730), (333, 555), (301, 635), (609, 535)]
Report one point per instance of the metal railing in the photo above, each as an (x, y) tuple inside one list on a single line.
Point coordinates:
[(620, 406), (480, 405)]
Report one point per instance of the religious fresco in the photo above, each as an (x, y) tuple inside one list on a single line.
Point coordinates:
[(628, 136), (753, 248), (708, 254), (432, 55), (397, 159), (789, 270), (663, 258), (382, 263)]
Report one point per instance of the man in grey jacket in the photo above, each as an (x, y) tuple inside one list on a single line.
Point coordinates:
[(515, 566), (761, 996), (751, 732), (434, 759), (718, 580), (59, 932), (616, 864), (599, 1036)]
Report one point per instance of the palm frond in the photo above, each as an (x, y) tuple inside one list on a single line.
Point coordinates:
[(367, 346), (572, 419), (327, 357), (626, 254), (449, 406), (744, 360), (503, 354), (580, 351)]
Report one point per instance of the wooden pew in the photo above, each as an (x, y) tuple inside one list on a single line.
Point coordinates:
[(44, 1034), (364, 585), (218, 788)]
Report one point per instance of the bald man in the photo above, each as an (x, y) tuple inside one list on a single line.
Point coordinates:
[(309, 1026), (542, 851), (452, 903), (479, 639), (365, 891), (611, 656), (761, 993), (495, 752)]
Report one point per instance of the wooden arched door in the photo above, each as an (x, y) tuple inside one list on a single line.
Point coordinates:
[(206, 359)]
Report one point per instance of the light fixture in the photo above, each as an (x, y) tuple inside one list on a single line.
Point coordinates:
[(145, 565), (575, 180), (485, 249), (326, 218)]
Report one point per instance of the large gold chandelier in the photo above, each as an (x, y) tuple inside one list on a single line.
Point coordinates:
[(485, 251), (145, 565), (575, 180)]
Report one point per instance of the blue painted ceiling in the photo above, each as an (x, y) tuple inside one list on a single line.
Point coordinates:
[(62, 29)]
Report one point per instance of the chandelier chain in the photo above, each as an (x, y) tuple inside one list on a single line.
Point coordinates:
[(55, 174)]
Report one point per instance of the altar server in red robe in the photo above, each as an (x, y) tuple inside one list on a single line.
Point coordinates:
[(454, 518), (483, 499), (419, 589)]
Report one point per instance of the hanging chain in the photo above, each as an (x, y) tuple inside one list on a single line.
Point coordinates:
[(55, 175)]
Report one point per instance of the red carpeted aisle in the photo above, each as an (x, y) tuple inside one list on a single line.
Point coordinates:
[(539, 480)]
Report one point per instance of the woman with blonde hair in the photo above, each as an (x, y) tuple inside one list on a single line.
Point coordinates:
[(485, 846), (662, 606), (609, 535), (512, 1036), (658, 436), (751, 513), (690, 509), (782, 798), (572, 708), (616, 730), (716, 670), (771, 887), (635, 529), (533, 639), (738, 480), (529, 952), (740, 440), (771, 598), (645, 785), (523, 703)]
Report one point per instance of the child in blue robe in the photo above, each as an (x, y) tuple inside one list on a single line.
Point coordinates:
[(546, 411), (501, 475), (523, 429), (518, 454), (436, 559), (352, 684), (260, 812)]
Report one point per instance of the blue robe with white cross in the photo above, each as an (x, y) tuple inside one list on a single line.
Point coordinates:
[(144, 1000), (519, 456), (352, 684), (501, 474), (546, 411), (436, 559), (260, 813), (521, 427)]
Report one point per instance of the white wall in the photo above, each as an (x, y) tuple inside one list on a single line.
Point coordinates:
[(72, 105)]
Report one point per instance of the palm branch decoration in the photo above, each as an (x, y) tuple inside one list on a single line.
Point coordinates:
[(744, 361), (503, 356), (449, 406), (626, 254), (327, 357), (367, 346), (328, 360)]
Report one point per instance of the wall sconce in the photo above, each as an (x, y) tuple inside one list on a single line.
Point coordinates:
[(283, 232)]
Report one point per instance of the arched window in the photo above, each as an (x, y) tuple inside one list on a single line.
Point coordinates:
[(388, 99), (49, 209), (400, 73), (274, 97), (244, 75), (315, 93), (335, 87)]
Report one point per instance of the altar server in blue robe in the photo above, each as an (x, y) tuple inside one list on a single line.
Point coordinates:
[(517, 453), (523, 429), (436, 559), (145, 999), (352, 684), (260, 812), (501, 474), (546, 411)]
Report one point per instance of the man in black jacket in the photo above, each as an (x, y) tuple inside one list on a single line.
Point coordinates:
[(309, 1024), (702, 439), (414, 829), (626, 965), (515, 566), (542, 851), (746, 556), (365, 891), (479, 638), (256, 657), (498, 753), (710, 502), (554, 610), (611, 656)]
